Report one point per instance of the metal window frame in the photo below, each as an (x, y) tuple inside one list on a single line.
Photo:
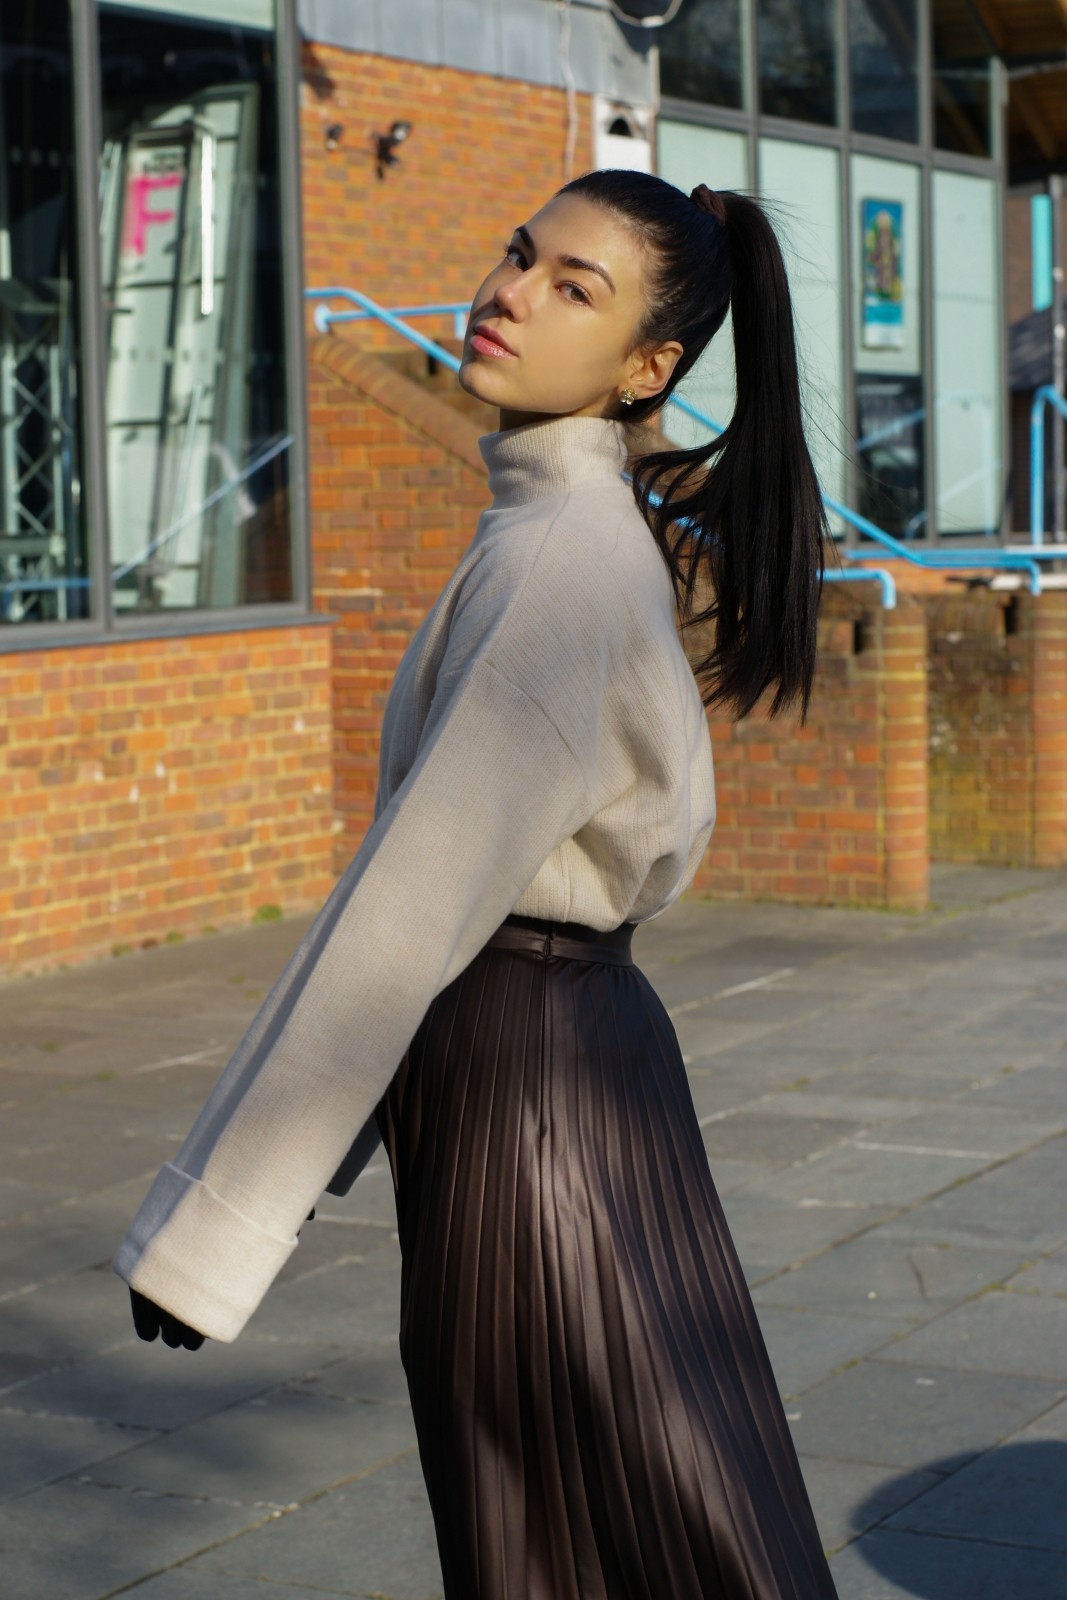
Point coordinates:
[(103, 626), (926, 156)]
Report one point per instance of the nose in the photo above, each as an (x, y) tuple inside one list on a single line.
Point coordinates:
[(508, 295)]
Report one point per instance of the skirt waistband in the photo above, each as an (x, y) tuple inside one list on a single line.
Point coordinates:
[(571, 939)]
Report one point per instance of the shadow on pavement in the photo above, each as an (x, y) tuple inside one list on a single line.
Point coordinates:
[(995, 1524)]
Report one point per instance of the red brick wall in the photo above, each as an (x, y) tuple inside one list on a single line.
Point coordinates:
[(396, 488), (149, 788), (1048, 631), (998, 729), (980, 738), (834, 810), (484, 154)]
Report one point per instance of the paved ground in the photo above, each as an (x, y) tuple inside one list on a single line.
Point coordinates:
[(883, 1099)]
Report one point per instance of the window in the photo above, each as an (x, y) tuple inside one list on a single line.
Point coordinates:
[(44, 564), (701, 55), (189, 459), (688, 155), (887, 301), (962, 85), (883, 62), (802, 184), (969, 471), (797, 60), (197, 421)]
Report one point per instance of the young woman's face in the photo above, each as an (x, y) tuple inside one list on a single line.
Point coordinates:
[(569, 328)]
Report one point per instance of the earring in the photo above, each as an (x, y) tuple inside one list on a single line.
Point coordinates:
[(628, 396)]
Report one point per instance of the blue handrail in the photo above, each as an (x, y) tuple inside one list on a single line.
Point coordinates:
[(1045, 396), (936, 560)]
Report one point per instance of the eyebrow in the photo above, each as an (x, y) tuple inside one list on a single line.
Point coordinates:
[(575, 262)]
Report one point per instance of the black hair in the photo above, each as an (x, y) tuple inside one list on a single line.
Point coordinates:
[(744, 539)]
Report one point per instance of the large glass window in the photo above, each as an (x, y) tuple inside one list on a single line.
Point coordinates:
[(963, 119), (796, 45), (688, 155), (197, 424), (888, 343), (44, 573), (701, 54), (969, 474), (802, 185), (884, 65)]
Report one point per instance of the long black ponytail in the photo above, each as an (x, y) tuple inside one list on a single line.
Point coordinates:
[(740, 521)]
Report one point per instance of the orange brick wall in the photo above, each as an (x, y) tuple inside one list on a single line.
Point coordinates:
[(998, 729), (484, 153), (150, 788), (834, 810), (980, 738), (392, 511)]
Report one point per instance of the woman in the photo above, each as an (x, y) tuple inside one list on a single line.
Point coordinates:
[(596, 1414)]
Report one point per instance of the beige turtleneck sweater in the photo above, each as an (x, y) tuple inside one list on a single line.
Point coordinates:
[(544, 750)]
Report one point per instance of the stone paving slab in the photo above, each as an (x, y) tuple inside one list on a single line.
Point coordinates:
[(1005, 1333), (848, 1497), (874, 1277), (1047, 1276), (76, 1541), (268, 1452), (885, 1565), (128, 1384), (189, 1583), (39, 1448), (373, 1536), (883, 1105), (894, 1415), (804, 1345), (1010, 1496)]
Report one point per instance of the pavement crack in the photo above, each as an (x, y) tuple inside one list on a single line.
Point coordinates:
[(137, 1492)]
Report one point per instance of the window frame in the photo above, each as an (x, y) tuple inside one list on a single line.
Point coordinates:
[(928, 158), (103, 626)]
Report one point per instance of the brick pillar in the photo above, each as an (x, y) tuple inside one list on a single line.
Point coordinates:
[(905, 754), (1049, 723)]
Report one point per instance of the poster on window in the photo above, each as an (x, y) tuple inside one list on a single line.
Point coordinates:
[(883, 274)]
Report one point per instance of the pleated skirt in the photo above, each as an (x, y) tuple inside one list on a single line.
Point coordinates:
[(595, 1410)]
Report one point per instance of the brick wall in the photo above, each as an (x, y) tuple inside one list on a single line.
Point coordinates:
[(150, 788), (834, 810), (397, 484), (980, 743), (484, 153), (998, 728)]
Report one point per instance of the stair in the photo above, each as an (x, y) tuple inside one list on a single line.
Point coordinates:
[(433, 375)]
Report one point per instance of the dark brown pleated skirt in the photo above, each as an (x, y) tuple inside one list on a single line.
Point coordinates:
[(596, 1414)]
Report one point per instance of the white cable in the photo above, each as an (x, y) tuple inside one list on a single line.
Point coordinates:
[(646, 22)]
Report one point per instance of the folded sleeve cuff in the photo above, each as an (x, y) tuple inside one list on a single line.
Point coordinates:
[(198, 1258)]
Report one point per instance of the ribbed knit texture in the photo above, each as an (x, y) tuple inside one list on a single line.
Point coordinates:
[(544, 750)]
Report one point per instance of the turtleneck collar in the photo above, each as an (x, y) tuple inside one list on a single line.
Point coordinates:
[(547, 457)]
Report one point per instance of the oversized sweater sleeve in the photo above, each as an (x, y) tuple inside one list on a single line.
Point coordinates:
[(494, 789)]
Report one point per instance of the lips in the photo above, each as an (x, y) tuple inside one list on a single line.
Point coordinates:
[(493, 337)]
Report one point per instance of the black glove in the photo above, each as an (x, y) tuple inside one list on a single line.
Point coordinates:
[(150, 1320)]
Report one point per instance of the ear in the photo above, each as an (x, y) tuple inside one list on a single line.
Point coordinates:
[(652, 372)]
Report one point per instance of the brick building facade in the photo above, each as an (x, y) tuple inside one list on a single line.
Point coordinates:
[(156, 786)]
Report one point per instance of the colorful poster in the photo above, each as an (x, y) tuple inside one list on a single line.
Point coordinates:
[(883, 274)]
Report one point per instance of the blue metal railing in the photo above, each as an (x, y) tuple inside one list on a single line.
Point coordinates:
[(1045, 396), (1021, 561)]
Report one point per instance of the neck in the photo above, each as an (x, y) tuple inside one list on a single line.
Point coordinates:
[(529, 461)]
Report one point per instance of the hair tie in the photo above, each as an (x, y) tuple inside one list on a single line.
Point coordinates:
[(709, 200)]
